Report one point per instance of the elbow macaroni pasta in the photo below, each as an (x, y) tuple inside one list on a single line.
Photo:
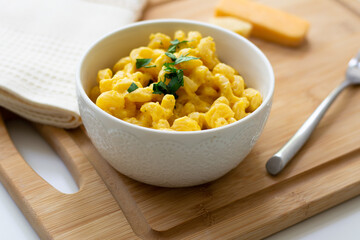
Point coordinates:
[(213, 94)]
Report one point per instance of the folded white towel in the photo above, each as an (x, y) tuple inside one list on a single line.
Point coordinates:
[(41, 43)]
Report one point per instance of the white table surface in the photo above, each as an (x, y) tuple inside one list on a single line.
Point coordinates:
[(341, 222)]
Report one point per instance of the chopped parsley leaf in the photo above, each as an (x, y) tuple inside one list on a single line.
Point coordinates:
[(176, 81), (150, 66), (170, 55), (174, 45), (176, 76), (132, 87), (184, 59), (160, 88), (142, 62)]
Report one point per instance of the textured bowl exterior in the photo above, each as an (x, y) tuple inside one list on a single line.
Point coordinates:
[(173, 159)]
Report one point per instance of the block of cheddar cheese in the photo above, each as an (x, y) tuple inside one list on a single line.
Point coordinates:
[(233, 24), (268, 23)]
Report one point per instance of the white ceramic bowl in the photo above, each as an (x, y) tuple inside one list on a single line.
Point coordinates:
[(173, 159)]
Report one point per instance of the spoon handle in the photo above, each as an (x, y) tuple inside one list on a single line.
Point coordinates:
[(280, 159)]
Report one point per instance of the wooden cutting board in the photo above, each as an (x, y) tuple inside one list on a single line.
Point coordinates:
[(246, 203)]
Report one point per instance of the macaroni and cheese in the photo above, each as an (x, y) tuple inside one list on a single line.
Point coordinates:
[(177, 85)]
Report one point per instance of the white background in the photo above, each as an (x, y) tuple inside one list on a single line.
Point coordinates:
[(341, 222)]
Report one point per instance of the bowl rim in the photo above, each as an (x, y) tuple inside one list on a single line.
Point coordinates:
[(82, 93)]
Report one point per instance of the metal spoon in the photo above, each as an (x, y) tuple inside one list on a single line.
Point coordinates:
[(280, 159)]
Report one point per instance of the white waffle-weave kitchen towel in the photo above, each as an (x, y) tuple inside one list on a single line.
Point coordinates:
[(41, 43)]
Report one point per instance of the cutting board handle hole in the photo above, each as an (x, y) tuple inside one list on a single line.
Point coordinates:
[(40, 156)]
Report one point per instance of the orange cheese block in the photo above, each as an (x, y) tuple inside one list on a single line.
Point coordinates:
[(268, 23), (233, 24)]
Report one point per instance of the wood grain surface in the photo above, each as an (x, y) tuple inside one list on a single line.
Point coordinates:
[(247, 203), (91, 212)]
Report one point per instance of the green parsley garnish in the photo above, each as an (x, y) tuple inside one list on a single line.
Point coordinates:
[(176, 81), (142, 62), (170, 55), (184, 59), (180, 59), (160, 88), (132, 87), (174, 45), (175, 75), (150, 66)]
